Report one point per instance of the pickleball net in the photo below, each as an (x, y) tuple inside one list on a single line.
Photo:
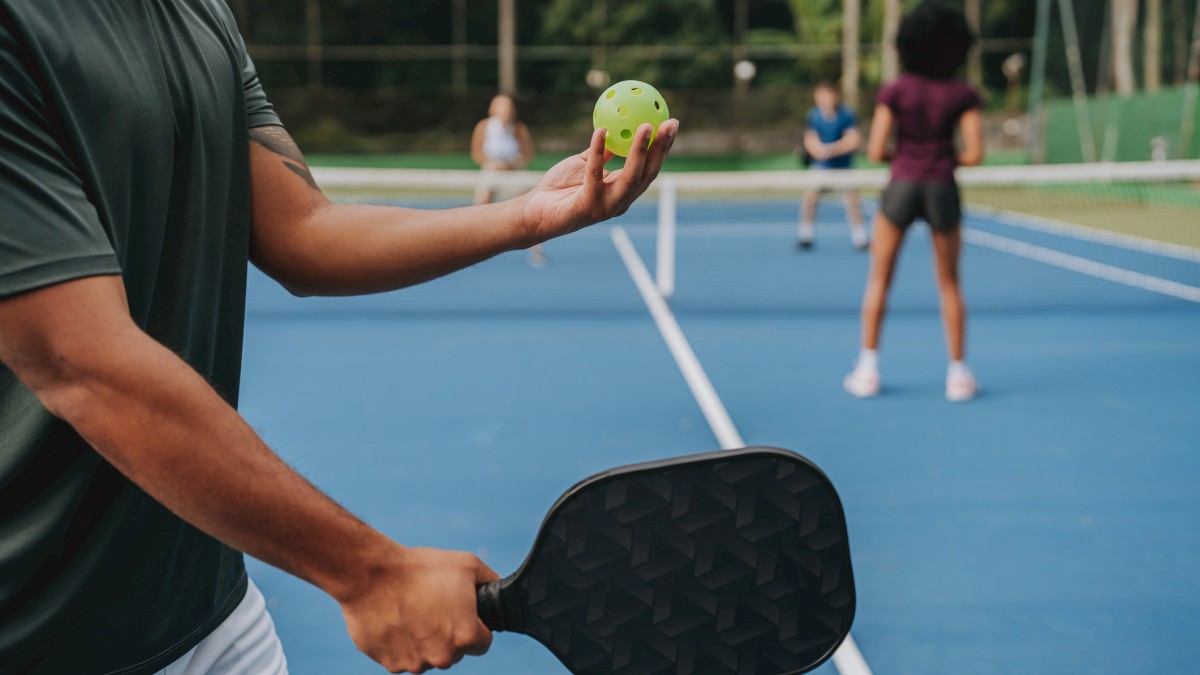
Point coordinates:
[(1044, 238)]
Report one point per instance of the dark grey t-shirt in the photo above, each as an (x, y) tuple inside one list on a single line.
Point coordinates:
[(123, 150)]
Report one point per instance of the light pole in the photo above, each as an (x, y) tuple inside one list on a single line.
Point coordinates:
[(312, 48), (507, 47), (458, 29), (741, 85), (851, 15)]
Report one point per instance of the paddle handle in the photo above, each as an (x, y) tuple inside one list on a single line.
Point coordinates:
[(492, 607)]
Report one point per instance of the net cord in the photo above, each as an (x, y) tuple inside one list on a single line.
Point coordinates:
[(769, 181)]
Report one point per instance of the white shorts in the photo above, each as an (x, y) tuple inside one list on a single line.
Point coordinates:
[(245, 643), (487, 185)]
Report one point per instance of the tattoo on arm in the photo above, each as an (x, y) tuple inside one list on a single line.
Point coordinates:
[(277, 140)]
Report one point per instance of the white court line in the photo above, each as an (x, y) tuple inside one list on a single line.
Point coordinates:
[(1082, 232), (747, 231), (697, 380), (985, 216), (848, 659), (1092, 268)]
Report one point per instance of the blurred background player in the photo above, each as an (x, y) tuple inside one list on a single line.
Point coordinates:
[(924, 107), (830, 139), (501, 142)]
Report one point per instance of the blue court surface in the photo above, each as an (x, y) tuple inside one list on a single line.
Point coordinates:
[(1052, 525)]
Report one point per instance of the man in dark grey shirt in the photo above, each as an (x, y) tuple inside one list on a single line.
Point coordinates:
[(141, 168)]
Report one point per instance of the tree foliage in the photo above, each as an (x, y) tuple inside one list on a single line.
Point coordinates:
[(705, 24), (663, 23)]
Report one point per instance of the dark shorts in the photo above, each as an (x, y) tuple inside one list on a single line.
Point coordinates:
[(937, 203)]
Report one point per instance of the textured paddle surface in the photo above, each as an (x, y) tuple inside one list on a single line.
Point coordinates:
[(732, 567)]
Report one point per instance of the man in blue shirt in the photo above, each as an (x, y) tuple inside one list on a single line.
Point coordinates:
[(830, 139)]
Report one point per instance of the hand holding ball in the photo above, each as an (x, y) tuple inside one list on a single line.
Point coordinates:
[(625, 106)]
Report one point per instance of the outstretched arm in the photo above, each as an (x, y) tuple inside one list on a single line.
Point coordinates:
[(315, 247), (159, 423)]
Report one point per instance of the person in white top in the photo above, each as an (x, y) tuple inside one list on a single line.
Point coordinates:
[(502, 143)]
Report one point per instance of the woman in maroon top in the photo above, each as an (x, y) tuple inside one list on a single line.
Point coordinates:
[(924, 107)]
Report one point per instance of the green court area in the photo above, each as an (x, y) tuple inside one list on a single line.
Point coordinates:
[(1168, 212)]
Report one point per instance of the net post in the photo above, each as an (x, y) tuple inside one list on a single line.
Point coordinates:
[(665, 264), (1083, 119)]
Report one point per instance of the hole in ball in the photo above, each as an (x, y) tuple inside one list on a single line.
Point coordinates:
[(637, 91), (658, 105), (623, 110), (626, 134), (611, 93)]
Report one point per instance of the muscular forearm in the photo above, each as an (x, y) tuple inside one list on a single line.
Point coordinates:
[(845, 145), (813, 144), (315, 247), (156, 420), (351, 249), (159, 423)]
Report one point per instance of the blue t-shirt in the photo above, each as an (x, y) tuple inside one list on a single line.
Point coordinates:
[(831, 130)]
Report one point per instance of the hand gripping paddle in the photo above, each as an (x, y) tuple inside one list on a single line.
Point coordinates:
[(732, 562)]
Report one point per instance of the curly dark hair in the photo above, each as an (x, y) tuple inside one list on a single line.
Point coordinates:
[(934, 40)]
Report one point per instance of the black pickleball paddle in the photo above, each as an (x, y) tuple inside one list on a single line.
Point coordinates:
[(733, 562)]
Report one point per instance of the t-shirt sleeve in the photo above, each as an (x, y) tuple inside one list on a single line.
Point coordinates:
[(849, 119), (50, 231), (888, 96), (970, 98), (809, 121), (259, 111)]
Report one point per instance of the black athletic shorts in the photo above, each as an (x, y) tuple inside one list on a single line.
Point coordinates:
[(937, 203)]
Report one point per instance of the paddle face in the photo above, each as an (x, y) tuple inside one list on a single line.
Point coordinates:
[(733, 562)]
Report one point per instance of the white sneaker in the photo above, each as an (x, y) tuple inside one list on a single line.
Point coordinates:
[(859, 239), (961, 386), (862, 383)]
